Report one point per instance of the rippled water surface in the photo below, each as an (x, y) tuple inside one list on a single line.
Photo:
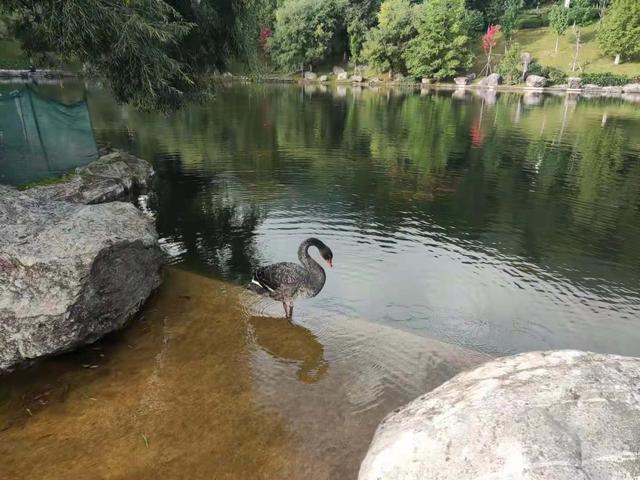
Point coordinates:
[(462, 226), (502, 224)]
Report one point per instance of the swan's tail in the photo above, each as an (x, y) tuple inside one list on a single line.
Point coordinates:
[(255, 287)]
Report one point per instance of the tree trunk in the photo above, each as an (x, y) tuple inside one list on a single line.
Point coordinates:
[(617, 60), (557, 41), (567, 3)]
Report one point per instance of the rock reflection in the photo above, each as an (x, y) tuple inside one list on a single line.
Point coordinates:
[(291, 343)]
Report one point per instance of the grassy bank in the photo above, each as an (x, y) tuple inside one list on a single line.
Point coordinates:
[(541, 43), (12, 56)]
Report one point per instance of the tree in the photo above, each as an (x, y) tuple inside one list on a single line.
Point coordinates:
[(441, 47), (619, 32), (360, 17), (559, 21), (582, 12), (304, 31), (131, 45), (384, 46), (223, 30), (488, 43), (509, 19), (148, 51)]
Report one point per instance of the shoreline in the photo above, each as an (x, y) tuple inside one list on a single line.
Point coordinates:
[(600, 92)]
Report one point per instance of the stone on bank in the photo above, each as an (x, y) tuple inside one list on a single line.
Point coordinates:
[(562, 415), (71, 272)]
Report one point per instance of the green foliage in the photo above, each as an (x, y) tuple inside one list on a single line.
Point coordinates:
[(474, 20), (441, 47), (534, 18), (509, 19), (361, 16), (304, 31), (129, 44), (582, 12), (553, 74), (606, 79), (620, 30), (559, 19), (384, 47), (224, 30), (511, 67)]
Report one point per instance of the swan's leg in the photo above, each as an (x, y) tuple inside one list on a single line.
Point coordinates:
[(290, 309), (286, 309)]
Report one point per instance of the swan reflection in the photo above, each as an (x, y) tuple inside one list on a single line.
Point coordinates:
[(291, 343)]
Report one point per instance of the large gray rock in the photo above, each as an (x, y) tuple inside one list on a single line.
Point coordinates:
[(69, 273), (536, 81), (338, 70), (562, 415), (310, 76), (462, 81), (574, 83), (357, 78), (112, 177), (492, 80), (631, 88), (342, 76)]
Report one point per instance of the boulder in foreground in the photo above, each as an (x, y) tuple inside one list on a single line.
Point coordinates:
[(69, 273), (563, 415)]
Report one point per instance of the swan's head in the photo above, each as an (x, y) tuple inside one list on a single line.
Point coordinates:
[(326, 254)]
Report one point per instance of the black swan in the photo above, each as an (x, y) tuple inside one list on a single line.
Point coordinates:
[(286, 281)]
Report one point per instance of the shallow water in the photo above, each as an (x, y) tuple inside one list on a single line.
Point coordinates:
[(462, 226), (206, 387)]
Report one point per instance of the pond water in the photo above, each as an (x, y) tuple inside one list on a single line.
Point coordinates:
[(463, 226)]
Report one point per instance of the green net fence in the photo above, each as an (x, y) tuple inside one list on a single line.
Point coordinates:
[(41, 137)]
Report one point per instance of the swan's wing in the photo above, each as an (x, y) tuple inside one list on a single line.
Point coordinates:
[(279, 276)]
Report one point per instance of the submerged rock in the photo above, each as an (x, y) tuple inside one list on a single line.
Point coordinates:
[(111, 177), (555, 415), (69, 273), (536, 81)]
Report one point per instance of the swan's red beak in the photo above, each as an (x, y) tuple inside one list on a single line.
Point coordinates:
[(330, 263)]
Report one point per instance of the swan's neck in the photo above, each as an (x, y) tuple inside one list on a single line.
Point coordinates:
[(308, 262)]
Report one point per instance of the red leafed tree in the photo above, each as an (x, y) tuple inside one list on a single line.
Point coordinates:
[(265, 33), (488, 42)]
